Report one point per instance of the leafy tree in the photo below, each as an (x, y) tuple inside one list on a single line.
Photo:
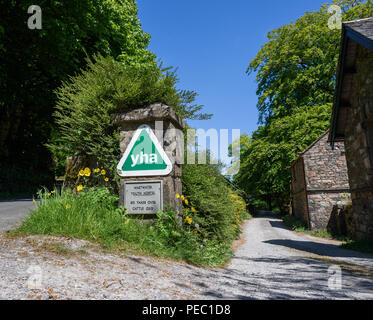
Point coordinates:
[(297, 66), (296, 72), (35, 62), (264, 172), (87, 103)]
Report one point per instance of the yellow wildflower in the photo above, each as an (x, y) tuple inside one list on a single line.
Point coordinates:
[(186, 201), (79, 188), (193, 209), (49, 194), (182, 197), (81, 172), (33, 201), (188, 220), (177, 196), (97, 170), (68, 206), (103, 172), (53, 191), (87, 172), (106, 179)]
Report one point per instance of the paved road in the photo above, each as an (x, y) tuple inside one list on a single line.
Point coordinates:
[(279, 264), (272, 263), (13, 211)]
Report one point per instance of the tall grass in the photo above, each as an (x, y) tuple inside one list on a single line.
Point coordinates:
[(92, 214)]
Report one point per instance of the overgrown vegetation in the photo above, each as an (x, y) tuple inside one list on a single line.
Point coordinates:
[(88, 102), (93, 214), (220, 211)]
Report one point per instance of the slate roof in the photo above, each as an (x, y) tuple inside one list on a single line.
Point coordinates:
[(363, 26), (354, 33)]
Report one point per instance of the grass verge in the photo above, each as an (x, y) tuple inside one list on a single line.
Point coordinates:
[(358, 245), (92, 214), (299, 226)]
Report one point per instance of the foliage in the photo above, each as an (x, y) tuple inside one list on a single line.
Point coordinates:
[(239, 212), (35, 62), (218, 213), (264, 172), (296, 72), (88, 102), (297, 66), (92, 214), (358, 245)]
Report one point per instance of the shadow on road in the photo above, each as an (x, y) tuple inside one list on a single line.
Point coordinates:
[(278, 224), (319, 248), (291, 278)]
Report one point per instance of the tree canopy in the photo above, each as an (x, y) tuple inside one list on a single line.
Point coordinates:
[(297, 66), (35, 62)]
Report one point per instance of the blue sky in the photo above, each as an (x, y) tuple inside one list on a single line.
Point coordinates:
[(212, 42)]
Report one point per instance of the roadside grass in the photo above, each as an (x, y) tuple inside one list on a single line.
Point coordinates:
[(93, 215), (299, 226), (358, 245)]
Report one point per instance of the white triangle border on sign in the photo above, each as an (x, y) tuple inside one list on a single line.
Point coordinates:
[(140, 173)]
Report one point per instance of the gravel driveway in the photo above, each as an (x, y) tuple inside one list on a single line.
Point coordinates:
[(270, 263)]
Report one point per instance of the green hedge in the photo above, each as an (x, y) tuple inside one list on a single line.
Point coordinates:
[(219, 211)]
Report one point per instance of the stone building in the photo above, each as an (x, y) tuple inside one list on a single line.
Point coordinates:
[(352, 118), (319, 182)]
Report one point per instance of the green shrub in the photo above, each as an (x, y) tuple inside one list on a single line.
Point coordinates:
[(216, 214)]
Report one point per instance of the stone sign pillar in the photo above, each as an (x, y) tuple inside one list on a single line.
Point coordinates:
[(152, 150)]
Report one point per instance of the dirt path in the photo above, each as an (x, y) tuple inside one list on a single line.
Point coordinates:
[(272, 263)]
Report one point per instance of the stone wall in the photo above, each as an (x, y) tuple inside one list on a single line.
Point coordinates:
[(326, 169), (326, 179), (358, 134), (321, 184), (321, 206)]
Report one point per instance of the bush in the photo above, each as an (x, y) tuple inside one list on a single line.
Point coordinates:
[(219, 212)]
